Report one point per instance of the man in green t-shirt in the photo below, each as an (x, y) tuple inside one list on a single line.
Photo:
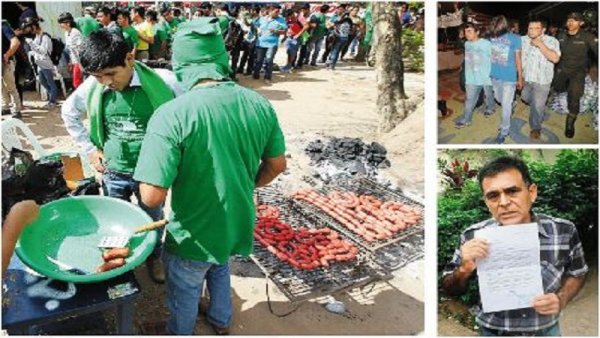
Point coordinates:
[(87, 23), (212, 146), (169, 21), (129, 33), (158, 48), (119, 98), (318, 34)]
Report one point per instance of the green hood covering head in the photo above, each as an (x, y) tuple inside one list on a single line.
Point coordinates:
[(199, 52)]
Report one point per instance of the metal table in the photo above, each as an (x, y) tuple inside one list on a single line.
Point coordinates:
[(30, 300)]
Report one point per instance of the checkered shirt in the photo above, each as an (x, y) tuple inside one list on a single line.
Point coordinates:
[(561, 255)]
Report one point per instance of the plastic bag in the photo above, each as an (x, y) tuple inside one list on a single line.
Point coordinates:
[(23, 178)]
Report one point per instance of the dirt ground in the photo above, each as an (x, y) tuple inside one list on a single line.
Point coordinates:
[(311, 103), (580, 318), (484, 130)]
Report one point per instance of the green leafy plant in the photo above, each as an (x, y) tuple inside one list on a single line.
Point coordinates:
[(412, 50)]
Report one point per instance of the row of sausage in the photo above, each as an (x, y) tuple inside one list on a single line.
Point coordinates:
[(302, 248)]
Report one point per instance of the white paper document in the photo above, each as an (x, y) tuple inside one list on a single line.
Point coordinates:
[(510, 277)]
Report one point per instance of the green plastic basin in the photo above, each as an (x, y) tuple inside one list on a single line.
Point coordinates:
[(69, 230)]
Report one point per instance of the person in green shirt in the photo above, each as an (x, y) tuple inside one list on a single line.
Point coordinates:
[(87, 23), (222, 13), (318, 34), (129, 33), (212, 147), (169, 21), (158, 48), (177, 16), (119, 98)]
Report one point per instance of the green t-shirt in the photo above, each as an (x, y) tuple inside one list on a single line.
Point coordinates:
[(161, 35), (126, 115), (131, 36), (207, 145), (224, 23), (87, 25), (173, 25), (321, 29)]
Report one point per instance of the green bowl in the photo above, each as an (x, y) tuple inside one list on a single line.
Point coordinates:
[(69, 231)]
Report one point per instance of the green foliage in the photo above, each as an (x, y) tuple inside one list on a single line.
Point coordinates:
[(567, 188), (412, 50)]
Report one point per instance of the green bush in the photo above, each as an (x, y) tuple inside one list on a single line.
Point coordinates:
[(412, 49), (567, 188)]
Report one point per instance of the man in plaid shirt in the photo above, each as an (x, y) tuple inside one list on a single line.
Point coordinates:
[(509, 193)]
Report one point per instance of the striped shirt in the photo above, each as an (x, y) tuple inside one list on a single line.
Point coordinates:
[(561, 255), (536, 67)]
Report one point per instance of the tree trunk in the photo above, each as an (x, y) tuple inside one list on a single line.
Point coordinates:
[(387, 45)]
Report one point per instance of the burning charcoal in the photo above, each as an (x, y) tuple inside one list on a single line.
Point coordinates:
[(356, 167), (378, 148), (317, 158), (384, 164)]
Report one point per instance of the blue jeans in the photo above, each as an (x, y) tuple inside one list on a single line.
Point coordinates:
[(472, 98), (535, 95), (47, 80), (184, 282), (266, 55), (354, 45), (335, 51), (504, 92), (314, 46), (552, 331), (292, 46), (123, 186)]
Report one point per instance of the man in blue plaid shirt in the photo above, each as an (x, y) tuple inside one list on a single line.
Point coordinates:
[(509, 194)]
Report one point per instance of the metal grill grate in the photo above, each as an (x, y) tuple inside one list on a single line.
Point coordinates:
[(308, 284), (361, 186), (398, 255)]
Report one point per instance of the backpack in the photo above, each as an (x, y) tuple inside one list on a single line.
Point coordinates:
[(57, 49)]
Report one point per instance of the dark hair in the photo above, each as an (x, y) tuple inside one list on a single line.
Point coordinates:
[(105, 11), (140, 10), (324, 8), (206, 5), (152, 15), (164, 10), (498, 26), (89, 10), (30, 22), (176, 11), (287, 12), (66, 17), (504, 163), (125, 13), (537, 19), (471, 25), (103, 49), (224, 7)]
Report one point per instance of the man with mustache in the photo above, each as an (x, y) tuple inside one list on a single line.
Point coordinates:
[(509, 194), (119, 97)]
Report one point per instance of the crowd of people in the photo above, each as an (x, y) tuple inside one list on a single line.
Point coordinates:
[(500, 62), (252, 33)]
